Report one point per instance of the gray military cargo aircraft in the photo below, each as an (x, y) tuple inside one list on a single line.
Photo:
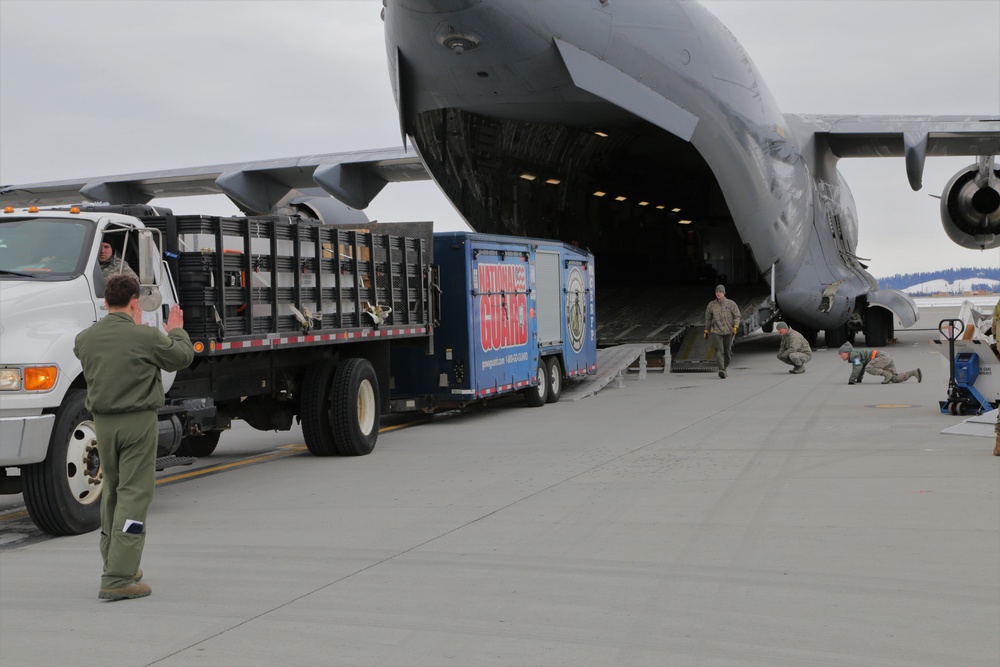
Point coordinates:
[(643, 131), (639, 129)]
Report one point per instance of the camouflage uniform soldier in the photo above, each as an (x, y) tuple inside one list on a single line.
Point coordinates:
[(112, 264), (121, 363), (794, 349), (874, 362), (722, 321)]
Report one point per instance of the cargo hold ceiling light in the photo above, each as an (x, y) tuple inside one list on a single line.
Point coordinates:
[(528, 177), (553, 181), (683, 222), (599, 193)]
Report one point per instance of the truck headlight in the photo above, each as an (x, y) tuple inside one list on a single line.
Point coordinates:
[(31, 378), (40, 378), (10, 379)]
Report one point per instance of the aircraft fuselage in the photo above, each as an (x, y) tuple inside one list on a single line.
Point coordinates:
[(523, 111)]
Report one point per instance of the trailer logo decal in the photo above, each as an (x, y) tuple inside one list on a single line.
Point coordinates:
[(503, 306), (576, 308)]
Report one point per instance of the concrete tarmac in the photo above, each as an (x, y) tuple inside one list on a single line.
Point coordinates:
[(765, 519)]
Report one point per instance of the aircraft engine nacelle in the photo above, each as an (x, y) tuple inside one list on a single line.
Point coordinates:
[(328, 210), (970, 208)]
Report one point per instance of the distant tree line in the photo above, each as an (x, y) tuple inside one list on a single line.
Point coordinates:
[(902, 281)]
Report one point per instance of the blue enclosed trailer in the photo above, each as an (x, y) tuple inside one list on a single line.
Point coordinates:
[(516, 315)]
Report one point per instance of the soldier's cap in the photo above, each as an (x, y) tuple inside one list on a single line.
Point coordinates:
[(846, 347), (720, 288), (781, 325)]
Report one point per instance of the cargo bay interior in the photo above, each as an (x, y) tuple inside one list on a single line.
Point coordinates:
[(643, 201)]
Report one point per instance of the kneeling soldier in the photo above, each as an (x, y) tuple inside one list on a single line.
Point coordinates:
[(794, 350), (874, 362)]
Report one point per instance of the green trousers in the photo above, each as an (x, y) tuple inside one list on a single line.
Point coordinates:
[(723, 347), (127, 445)]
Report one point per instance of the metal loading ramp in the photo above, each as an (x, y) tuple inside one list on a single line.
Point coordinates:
[(693, 354), (610, 362)]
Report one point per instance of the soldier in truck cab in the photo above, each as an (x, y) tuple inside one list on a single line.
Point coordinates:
[(111, 263)]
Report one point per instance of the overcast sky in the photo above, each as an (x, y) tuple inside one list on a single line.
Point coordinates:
[(98, 88)]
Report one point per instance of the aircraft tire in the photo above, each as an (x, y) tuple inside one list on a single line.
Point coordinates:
[(878, 326), (835, 337), (63, 492)]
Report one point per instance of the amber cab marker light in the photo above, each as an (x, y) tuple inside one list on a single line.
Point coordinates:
[(40, 378)]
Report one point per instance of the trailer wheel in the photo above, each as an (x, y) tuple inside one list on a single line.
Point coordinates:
[(199, 445), (555, 376), (314, 407), (535, 396), (63, 492), (355, 409)]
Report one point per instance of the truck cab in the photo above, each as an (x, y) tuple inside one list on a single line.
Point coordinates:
[(51, 288)]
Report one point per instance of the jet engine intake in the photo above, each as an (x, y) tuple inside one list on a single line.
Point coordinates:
[(970, 206)]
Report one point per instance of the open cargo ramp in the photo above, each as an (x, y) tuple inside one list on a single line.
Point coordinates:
[(675, 317)]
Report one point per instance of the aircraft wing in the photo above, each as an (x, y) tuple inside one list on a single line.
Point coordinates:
[(354, 178), (910, 137)]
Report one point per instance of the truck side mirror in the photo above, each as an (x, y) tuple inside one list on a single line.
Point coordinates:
[(149, 258), (150, 298)]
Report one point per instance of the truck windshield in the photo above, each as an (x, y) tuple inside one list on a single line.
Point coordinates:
[(43, 248)]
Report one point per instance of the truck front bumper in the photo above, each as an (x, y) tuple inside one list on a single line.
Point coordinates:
[(24, 440)]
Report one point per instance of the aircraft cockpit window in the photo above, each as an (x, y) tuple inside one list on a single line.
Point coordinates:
[(43, 249)]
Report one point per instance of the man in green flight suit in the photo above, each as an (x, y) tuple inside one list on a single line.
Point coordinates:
[(121, 361)]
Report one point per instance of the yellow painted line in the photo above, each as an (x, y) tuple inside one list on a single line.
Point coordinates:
[(289, 450)]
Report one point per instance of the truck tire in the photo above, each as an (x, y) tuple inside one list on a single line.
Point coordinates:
[(63, 492), (554, 372), (199, 445), (535, 396), (314, 408), (355, 409)]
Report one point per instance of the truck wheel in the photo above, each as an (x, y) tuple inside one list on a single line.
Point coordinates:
[(535, 396), (355, 408), (555, 376), (314, 407), (63, 492), (199, 445)]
